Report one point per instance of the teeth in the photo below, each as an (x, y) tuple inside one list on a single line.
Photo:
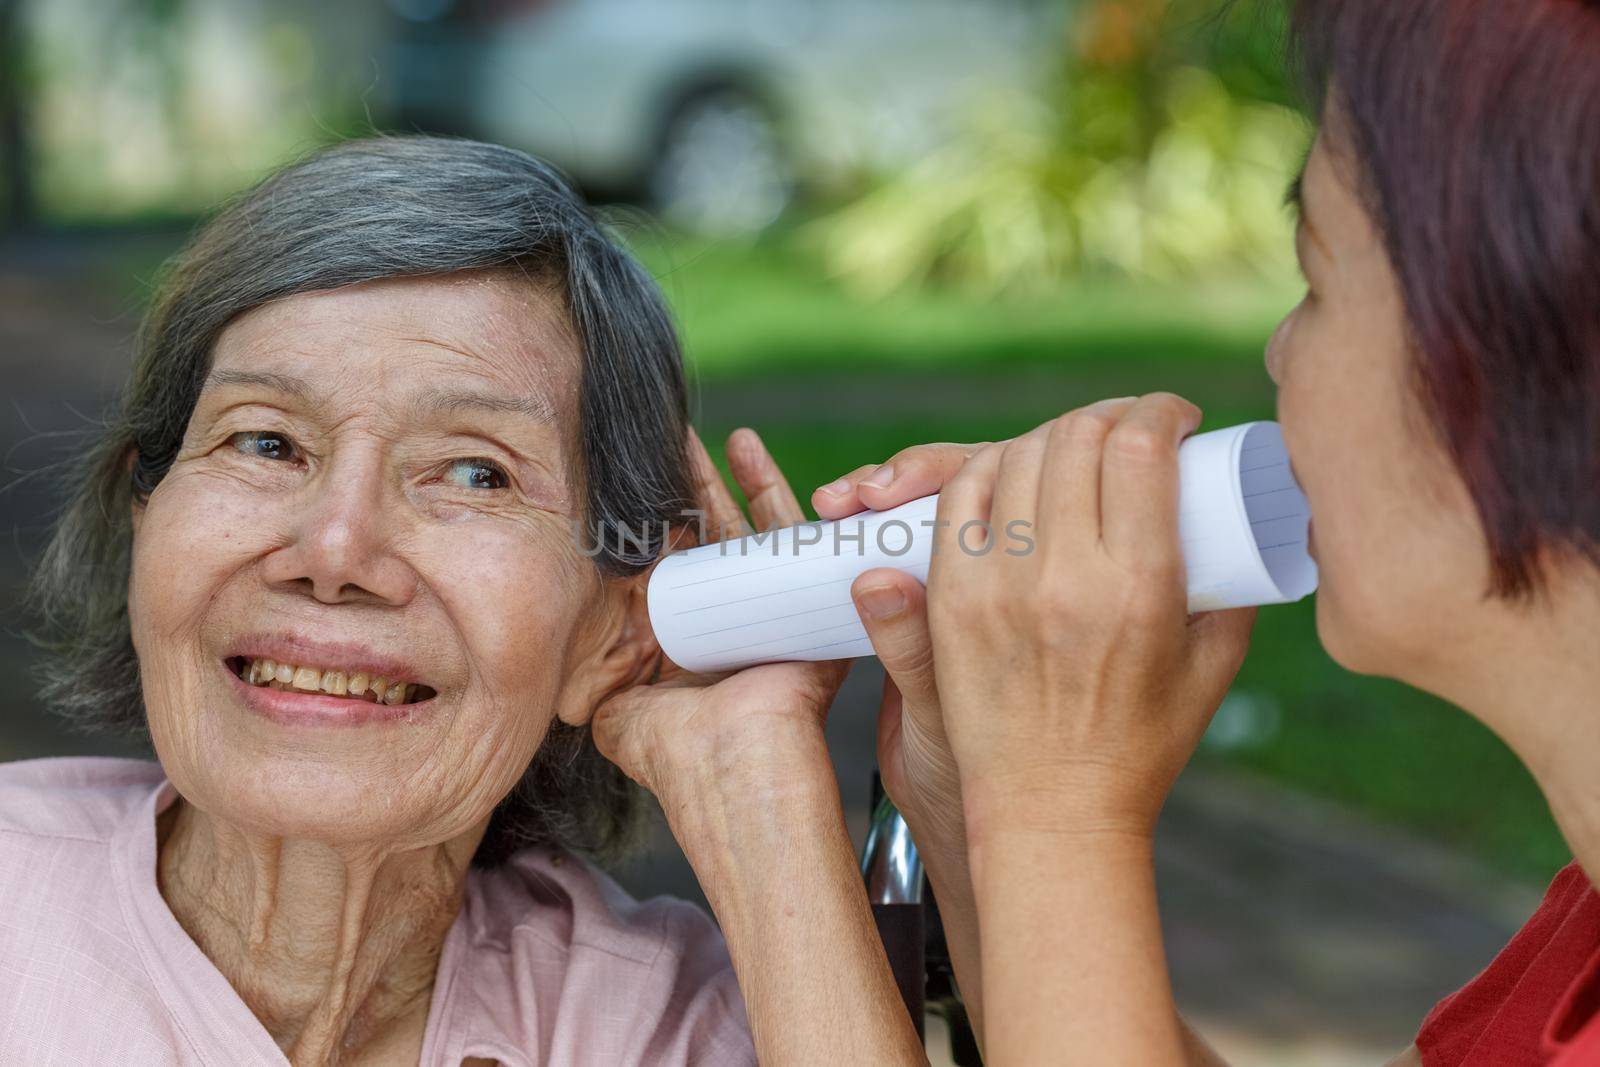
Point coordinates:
[(358, 684)]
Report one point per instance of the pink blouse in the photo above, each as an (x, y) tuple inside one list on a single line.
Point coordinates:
[(548, 962)]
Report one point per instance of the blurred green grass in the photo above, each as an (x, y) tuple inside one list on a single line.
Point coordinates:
[(832, 383)]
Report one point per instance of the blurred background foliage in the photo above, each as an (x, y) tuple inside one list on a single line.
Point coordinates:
[(139, 111), (943, 225), (1156, 149)]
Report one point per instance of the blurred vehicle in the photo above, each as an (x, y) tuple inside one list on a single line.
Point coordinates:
[(714, 112)]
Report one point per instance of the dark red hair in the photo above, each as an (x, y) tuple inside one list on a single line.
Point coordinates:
[(1475, 127)]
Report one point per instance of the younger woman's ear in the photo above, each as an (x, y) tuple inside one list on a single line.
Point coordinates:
[(622, 652)]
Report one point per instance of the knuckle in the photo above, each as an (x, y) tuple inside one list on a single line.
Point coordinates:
[(861, 472), (1085, 426), (979, 468), (1037, 602), (1138, 443), (912, 451), (992, 450), (1173, 401), (746, 454), (930, 453), (1038, 435), (902, 458), (1058, 605), (1022, 450)]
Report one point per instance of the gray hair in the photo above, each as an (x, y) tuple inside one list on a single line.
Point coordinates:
[(359, 211)]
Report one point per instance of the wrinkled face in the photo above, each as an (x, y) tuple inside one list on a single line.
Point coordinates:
[(1403, 560), (356, 597)]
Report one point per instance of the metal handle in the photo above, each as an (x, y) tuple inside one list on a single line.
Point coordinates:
[(889, 863), (893, 873)]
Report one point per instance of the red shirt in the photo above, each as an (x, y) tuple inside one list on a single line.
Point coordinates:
[(1538, 1003)]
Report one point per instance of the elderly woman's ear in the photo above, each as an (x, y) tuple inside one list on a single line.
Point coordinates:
[(618, 653)]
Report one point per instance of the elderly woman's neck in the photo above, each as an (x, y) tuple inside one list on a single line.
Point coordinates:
[(334, 950)]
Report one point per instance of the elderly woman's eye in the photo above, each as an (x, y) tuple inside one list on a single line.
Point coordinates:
[(264, 444), (478, 474)]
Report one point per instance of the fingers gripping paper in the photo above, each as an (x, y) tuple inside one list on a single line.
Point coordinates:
[(785, 594)]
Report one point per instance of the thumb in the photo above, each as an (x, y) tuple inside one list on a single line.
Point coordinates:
[(894, 609)]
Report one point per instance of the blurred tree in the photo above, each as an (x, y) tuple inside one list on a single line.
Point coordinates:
[(153, 30), (16, 157), (151, 110)]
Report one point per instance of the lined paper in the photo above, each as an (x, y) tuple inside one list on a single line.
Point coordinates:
[(785, 594)]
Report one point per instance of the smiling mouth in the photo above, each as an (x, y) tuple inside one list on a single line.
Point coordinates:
[(359, 686)]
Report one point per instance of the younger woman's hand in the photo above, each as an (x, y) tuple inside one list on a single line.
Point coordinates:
[(1073, 682)]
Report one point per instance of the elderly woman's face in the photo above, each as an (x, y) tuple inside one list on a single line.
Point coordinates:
[(377, 482)]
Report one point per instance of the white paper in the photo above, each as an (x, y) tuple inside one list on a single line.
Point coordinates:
[(785, 594)]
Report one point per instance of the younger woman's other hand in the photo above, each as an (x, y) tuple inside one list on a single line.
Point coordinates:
[(1073, 682), (914, 759)]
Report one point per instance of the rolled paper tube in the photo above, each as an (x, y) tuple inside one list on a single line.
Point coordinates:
[(785, 594)]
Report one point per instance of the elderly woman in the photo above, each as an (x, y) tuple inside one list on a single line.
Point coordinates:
[(350, 549)]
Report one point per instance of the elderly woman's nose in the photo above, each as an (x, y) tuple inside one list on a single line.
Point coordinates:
[(343, 547)]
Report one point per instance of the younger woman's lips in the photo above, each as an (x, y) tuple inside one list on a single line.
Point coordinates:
[(292, 707)]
